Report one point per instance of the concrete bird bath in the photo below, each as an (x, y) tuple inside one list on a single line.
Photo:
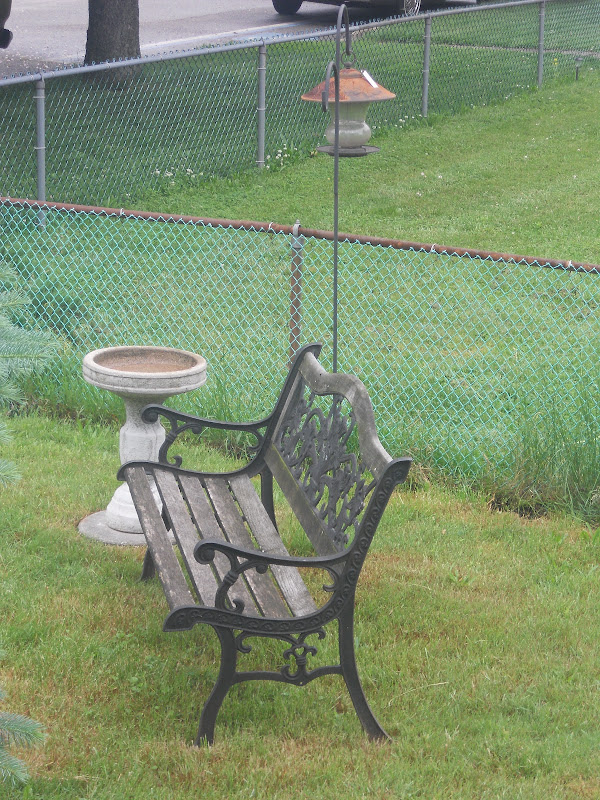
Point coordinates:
[(139, 375)]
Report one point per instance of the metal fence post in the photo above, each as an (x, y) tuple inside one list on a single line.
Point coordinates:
[(296, 290), (426, 57), (262, 105), (540, 77), (40, 144)]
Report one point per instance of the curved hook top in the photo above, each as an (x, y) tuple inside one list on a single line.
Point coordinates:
[(334, 67), (345, 17)]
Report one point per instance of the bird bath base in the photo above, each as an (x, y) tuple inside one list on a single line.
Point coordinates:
[(139, 375), (95, 526)]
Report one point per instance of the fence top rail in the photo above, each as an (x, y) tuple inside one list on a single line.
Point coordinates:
[(297, 230), (68, 71)]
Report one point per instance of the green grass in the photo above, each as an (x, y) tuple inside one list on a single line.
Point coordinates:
[(567, 27), (477, 644), (482, 370), (518, 177)]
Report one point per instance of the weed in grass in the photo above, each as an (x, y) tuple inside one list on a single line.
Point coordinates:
[(556, 462)]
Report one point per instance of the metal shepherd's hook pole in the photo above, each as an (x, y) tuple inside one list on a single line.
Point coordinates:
[(334, 68)]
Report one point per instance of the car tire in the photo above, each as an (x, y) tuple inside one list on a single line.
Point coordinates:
[(409, 7), (5, 38), (286, 7)]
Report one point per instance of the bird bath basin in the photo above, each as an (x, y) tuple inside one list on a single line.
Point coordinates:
[(143, 371), (139, 375)]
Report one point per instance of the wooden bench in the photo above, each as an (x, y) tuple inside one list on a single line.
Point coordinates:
[(234, 572)]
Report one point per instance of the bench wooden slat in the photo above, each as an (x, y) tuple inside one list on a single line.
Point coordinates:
[(261, 586), (186, 536), (167, 566), (289, 579), (312, 525), (207, 527)]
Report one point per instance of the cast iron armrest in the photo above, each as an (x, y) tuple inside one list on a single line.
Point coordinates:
[(180, 422), (242, 559)]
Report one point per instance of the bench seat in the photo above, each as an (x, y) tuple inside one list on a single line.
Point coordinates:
[(214, 508)]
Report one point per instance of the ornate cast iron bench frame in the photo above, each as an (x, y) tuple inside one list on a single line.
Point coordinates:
[(321, 447)]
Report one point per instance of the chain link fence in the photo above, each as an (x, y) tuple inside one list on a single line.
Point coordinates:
[(464, 355), (109, 134)]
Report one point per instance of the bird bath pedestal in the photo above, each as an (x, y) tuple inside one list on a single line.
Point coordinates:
[(139, 375)]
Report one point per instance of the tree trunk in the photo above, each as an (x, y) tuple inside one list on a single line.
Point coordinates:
[(5, 34), (113, 30)]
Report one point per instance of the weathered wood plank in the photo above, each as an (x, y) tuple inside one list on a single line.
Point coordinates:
[(207, 527), (289, 579), (186, 536), (167, 566), (262, 586)]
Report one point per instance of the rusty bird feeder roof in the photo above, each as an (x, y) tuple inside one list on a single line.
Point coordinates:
[(355, 87)]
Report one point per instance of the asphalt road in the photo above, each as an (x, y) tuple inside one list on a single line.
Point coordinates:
[(51, 33)]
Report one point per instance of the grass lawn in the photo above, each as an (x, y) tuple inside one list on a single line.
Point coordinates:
[(477, 636), (519, 177), (493, 366)]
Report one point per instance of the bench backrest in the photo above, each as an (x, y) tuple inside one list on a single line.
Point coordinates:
[(323, 450)]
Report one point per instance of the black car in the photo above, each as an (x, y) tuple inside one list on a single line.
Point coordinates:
[(408, 7)]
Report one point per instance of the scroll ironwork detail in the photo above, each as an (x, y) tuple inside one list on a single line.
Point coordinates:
[(315, 445), (296, 669)]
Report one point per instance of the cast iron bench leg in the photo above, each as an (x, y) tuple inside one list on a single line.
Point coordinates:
[(226, 679), (348, 663)]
